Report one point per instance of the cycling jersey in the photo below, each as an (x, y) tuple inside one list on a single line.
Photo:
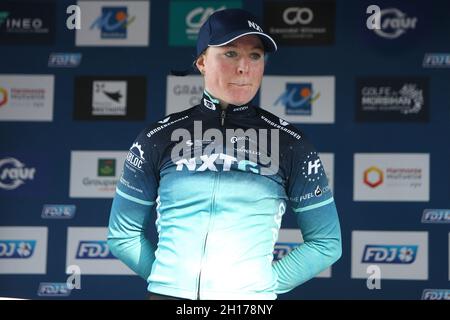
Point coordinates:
[(219, 213)]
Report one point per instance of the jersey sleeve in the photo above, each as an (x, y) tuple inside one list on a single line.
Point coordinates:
[(135, 196), (312, 201)]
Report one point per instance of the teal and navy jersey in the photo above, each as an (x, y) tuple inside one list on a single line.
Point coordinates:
[(219, 202)]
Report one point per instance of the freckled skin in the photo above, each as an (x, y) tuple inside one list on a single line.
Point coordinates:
[(233, 73)]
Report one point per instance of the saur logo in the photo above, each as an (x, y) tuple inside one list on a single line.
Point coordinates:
[(93, 250), (17, 249), (53, 289), (390, 254), (14, 173), (282, 249)]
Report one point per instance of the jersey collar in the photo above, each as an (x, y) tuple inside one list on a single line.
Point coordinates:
[(211, 105)]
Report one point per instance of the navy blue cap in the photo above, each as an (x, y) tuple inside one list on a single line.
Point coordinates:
[(227, 25)]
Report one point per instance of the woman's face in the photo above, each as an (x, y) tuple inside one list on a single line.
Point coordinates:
[(233, 72)]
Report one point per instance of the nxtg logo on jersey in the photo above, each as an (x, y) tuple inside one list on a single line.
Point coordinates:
[(208, 162), (282, 249), (17, 249), (391, 254), (436, 294), (93, 250), (53, 289)]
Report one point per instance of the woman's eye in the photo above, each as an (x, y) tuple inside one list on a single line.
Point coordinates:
[(231, 54), (255, 56)]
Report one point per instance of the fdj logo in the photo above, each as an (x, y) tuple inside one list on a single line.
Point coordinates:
[(298, 98), (392, 254), (436, 294), (436, 216), (53, 289), (106, 167), (17, 249), (58, 211), (64, 59), (93, 250), (113, 22), (282, 249)]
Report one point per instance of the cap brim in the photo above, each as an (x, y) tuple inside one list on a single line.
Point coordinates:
[(268, 42)]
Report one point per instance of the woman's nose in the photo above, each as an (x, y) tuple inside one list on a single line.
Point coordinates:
[(243, 66)]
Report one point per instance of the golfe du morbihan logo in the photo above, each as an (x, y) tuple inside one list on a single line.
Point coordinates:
[(407, 100), (14, 173)]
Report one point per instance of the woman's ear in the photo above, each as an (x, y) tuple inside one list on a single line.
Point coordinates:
[(200, 64)]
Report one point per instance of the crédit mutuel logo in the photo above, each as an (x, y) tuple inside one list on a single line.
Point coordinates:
[(252, 150)]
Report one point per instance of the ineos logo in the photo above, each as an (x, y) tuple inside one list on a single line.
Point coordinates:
[(295, 15)]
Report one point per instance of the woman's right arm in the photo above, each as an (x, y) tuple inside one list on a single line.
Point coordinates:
[(131, 209)]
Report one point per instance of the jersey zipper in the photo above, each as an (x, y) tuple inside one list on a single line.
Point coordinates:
[(222, 117), (213, 199)]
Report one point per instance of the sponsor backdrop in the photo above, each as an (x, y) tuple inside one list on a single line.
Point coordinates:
[(375, 102)]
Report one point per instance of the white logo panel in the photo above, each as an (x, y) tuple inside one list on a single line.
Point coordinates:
[(23, 250), (113, 23), (87, 248), (26, 97), (183, 93), (401, 255), (391, 177), (94, 174), (299, 99)]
